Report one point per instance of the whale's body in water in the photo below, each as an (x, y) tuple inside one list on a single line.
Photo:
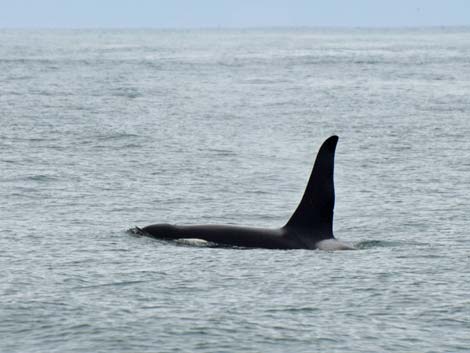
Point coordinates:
[(310, 227)]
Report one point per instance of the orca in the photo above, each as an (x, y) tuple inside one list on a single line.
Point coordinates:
[(310, 227)]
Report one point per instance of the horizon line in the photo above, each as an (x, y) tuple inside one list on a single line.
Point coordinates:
[(232, 27)]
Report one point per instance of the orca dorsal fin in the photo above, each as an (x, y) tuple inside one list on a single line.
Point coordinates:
[(315, 211)]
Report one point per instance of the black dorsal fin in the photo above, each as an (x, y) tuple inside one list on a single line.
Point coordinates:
[(315, 211)]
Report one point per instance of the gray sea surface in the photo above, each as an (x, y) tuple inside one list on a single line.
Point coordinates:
[(104, 130)]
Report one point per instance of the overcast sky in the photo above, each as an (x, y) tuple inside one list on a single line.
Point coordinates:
[(232, 13)]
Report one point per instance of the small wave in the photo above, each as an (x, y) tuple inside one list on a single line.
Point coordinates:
[(368, 62), (126, 92), (117, 140), (116, 136), (221, 152), (368, 244), (40, 178), (20, 78), (293, 310), (112, 284), (263, 81), (234, 63), (132, 145)]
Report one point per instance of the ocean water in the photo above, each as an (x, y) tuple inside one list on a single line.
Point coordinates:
[(104, 130)]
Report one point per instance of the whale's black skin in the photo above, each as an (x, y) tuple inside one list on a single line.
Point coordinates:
[(311, 222)]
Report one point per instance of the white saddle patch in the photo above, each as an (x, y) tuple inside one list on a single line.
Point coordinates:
[(193, 242), (333, 244)]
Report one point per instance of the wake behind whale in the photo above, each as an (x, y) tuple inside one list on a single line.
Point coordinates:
[(310, 227)]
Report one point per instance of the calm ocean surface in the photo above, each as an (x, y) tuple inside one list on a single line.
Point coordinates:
[(104, 130)]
